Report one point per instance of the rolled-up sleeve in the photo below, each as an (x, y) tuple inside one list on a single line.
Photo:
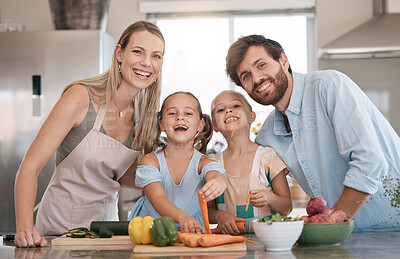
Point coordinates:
[(357, 133), (146, 174)]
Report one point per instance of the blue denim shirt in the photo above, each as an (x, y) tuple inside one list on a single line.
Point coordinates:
[(338, 138)]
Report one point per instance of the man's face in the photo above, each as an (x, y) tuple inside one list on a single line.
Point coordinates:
[(262, 77)]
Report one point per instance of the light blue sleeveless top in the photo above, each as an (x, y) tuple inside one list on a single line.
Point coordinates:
[(184, 195)]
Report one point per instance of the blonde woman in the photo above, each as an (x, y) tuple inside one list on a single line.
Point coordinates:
[(99, 129)]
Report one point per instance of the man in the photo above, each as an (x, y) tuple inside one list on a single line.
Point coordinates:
[(335, 142)]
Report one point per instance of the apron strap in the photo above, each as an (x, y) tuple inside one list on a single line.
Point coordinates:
[(100, 117), (90, 92)]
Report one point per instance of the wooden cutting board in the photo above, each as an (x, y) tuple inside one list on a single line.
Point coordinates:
[(113, 243), (124, 243), (179, 248)]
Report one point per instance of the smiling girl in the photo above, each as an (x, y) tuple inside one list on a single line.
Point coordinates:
[(98, 128), (172, 177), (255, 174)]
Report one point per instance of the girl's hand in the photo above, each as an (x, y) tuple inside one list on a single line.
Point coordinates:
[(227, 223), (213, 188), (259, 197), (189, 224), (30, 237)]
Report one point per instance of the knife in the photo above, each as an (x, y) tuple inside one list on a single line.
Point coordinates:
[(9, 237)]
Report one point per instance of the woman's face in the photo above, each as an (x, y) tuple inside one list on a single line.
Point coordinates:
[(181, 119), (141, 60)]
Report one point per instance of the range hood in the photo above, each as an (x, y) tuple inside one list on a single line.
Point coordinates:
[(378, 37)]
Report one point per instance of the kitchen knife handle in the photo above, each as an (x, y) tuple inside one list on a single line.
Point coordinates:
[(9, 237)]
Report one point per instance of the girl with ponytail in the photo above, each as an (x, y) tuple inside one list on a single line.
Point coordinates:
[(172, 177)]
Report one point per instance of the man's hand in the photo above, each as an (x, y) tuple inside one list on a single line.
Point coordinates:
[(351, 201)]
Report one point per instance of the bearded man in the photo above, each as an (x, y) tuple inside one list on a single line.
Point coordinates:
[(334, 140)]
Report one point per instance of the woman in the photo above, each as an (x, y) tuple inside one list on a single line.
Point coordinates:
[(99, 127)]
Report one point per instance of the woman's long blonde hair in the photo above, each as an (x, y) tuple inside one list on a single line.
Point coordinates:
[(104, 88)]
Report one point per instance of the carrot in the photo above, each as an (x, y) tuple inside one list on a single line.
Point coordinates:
[(250, 241), (216, 240), (204, 213), (193, 241), (247, 202), (184, 237), (181, 235), (240, 225), (234, 128)]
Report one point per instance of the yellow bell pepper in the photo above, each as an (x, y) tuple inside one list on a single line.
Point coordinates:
[(139, 230)]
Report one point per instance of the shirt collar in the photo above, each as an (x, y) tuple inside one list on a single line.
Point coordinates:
[(279, 124), (294, 104), (297, 94)]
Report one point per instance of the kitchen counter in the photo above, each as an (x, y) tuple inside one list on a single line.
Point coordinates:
[(357, 245)]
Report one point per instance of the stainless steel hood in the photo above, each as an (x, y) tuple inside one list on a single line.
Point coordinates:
[(378, 37)]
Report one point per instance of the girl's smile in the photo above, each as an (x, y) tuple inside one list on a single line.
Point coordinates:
[(231, 119), (227, 111), (180, 119)]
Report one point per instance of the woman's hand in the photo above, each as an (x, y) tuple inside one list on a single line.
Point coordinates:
[(227, 222), (29, 237), (189, 224)]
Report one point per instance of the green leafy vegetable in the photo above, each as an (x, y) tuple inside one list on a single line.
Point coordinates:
[(277, 218)]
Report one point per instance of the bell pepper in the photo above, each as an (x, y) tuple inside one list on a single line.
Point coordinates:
[(139, 230), (163, 231)]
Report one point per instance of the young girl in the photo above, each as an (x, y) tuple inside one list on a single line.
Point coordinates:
[(255, 174), (172, 177)]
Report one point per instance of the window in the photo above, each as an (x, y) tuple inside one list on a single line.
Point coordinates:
[(194, 60), (196, 48)]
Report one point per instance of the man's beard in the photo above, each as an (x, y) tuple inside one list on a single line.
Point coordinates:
[(280, 82)]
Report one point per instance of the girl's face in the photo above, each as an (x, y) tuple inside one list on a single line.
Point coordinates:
[(180, 118), (228, 109), (141, 60)]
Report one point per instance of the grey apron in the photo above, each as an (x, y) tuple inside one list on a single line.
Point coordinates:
[(84, 186)]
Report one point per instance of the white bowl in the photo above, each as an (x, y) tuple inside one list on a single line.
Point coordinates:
[(279, 236)]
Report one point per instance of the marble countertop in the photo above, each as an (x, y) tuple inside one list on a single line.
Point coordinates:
[(357, 245)]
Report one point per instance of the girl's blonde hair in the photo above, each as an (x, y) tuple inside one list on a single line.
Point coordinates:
[(202, 139), (239, 95), (104, 88)]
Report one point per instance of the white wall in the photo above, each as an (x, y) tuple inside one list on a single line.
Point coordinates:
[(333, 17), (121, 14), (337, 17), (34, 15)]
